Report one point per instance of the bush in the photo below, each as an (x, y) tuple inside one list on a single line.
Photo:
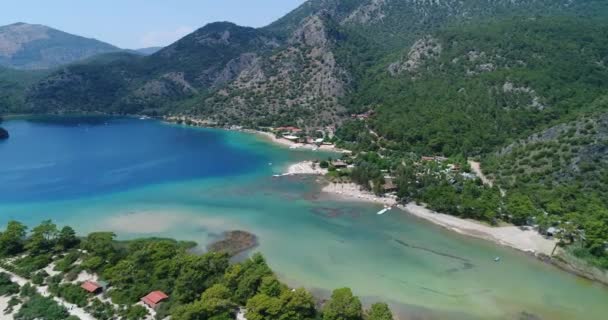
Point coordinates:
[(71, 293), (7, 287), (39, 307), (38, 277)]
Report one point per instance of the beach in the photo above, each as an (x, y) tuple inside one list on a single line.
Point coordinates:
[(294, 145), (352, 191), (511, 236), (305, 167), (528, 241)]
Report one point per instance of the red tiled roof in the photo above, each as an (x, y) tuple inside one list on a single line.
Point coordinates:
[(155, 297), (90, 286)]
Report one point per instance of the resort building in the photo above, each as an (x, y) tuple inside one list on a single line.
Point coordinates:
[(154, 298), (91, 287)]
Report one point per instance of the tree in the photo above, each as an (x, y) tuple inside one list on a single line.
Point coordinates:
[(271, 286), (379, 311), (101, 244), (67, 239), (216, 302), (197, 273), (342, 306), (263, 307), (298, 304), (520, 207), (136, 312), (43, 237), (12, 239)]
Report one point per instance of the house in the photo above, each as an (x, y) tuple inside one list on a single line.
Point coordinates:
[(436, 158), (91, 287), (389, 184), (289, 129), (339, 164), (154, 298)]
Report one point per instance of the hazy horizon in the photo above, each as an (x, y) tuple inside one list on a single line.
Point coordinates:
[(138, 24)]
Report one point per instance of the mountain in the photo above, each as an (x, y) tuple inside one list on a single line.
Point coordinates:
[(32, 46), (304, 68), (148, 51)]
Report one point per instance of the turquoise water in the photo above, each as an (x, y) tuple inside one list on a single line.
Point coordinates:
[(144, 178)]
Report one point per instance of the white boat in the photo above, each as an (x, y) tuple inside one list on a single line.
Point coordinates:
[(385, 210)]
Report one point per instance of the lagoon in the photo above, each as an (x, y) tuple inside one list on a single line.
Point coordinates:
[(145, 178)]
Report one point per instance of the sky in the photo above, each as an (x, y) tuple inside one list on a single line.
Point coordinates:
[(134, 24)]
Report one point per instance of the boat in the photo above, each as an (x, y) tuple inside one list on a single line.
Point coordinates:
[(385, 210), (497, 259)]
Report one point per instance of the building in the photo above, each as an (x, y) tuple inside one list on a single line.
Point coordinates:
[(91, 287), (154, 298), (289, 129), (389, 184), (339, 164)]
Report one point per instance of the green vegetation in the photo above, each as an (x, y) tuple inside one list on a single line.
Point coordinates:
[(202, 287), (491, 86), (7, 287), (36, 306)]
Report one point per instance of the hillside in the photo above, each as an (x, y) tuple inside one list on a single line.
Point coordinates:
[(301, 69), (30, 46), (13, 87), (125, 83)]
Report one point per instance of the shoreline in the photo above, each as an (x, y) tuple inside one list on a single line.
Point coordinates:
[(528, 241), (269, 136)]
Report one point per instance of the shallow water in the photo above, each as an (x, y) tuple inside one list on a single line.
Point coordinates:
[(144, 178)]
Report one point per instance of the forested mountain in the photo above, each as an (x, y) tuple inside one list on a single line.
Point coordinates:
[(31, 46), (299, 69)]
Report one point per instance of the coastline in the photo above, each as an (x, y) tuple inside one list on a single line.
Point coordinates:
[(528, 241)]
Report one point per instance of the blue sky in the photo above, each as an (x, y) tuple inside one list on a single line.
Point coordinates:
[(141, 23)]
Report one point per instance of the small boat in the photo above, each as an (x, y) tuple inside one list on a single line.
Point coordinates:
[(497, 259), (385, 210)]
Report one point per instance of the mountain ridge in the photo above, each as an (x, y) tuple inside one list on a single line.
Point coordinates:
[(35, 46)]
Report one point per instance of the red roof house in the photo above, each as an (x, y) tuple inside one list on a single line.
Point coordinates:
[(91, 287), (154, 298)]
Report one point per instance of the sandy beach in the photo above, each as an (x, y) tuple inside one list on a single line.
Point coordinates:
[(305, 167), (511, 236), (525, 240), (293, 145), (352, 191)]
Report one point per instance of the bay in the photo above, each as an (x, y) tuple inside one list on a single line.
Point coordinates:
[(146, 178)]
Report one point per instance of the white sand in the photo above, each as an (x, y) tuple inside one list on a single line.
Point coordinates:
[(305, 167), (288, 143), (352, 191), (514, 237), (85, 276), (3, 304), (72, 309), (50, 271)]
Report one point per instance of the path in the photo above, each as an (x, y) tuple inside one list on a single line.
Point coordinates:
[(476, 167), (72, 308)]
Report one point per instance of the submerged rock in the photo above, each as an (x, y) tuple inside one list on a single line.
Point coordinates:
[(3, 134), (234, 242)]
